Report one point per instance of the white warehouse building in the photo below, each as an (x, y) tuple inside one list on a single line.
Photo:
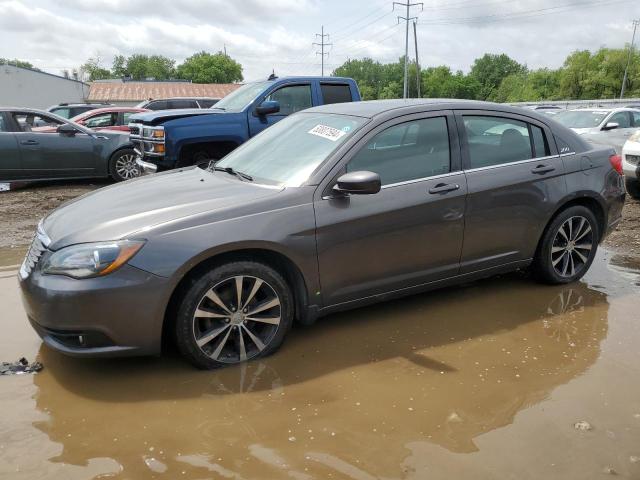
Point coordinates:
[(24, 87)]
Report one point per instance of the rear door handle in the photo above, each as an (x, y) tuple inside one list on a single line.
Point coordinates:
[(541, 169), (29, 142), (444, 188)]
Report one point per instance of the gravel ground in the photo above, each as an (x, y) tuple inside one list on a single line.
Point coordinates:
[(22, 209)]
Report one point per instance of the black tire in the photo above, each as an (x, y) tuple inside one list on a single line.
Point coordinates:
[(633, 187), (226, 348), (122, 165), (559, 258)]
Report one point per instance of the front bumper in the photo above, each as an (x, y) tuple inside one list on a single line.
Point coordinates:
[(120, 314)]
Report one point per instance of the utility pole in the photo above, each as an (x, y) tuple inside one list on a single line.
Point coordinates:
[(407, 19), (322, 44), (415, 38), (626, 69)]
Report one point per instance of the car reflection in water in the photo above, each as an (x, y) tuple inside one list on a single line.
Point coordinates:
[(349, 392)]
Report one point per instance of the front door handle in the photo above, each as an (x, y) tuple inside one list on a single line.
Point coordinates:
[(542, 169), (444, 188), (29, 142)]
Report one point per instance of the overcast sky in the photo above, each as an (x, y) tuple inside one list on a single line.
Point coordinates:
[(278, 34)]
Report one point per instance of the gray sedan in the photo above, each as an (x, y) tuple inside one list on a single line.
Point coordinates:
[(36, 145), (602, 126), (332, 208)]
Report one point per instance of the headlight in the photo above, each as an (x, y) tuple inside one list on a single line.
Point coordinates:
[(635, 137), (157, 133), (87, 260)]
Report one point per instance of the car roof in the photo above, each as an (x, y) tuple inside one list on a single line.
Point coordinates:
[(372, 108), (112, 110), (182, 98)]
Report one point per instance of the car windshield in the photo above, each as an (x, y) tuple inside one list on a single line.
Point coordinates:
[(581, 118), (288, 152), (240, 98)]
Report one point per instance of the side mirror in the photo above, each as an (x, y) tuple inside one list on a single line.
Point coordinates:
[(67, 130), (267, 107), (358, 183), (611, 126)]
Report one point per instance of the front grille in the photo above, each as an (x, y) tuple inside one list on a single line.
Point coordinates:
[(633, 159), (135, 128), (37, 248)]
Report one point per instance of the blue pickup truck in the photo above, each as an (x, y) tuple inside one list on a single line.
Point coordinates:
[(177, 138)]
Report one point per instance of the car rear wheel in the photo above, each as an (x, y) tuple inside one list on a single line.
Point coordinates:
[(568, 246), (123, 166), (234, 313), (633, 187)]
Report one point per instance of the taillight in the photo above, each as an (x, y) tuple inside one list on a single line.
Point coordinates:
[(616, 163)]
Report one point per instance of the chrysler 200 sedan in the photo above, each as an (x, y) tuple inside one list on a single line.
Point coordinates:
[(332, 208)]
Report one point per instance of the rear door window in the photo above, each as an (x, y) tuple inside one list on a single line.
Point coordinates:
[(496, 140), (636, 119), (408, 151), (335, 93), (3, 125), (182, 103), (157, 105), (101, 121), (540, 144)]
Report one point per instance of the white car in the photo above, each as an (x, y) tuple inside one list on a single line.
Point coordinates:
[(604, 126), (631, 164)]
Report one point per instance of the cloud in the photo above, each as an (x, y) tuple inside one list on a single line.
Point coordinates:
[(278, 34)]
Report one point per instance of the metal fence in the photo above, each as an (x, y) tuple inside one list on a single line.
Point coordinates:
[(571, 104)]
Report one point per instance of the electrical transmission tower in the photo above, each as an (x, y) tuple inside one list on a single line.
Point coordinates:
[(322, 44), (407, 19), (633, 39)]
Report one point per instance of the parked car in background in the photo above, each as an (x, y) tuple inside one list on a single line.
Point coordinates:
[(331, 208), (69, 110), (178, 102), (631, 164), (110, 118), (605, 126), (178, 138), (37, 145), (546, 109)]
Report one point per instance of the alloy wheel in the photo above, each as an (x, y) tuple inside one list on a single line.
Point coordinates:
[(572, 246), (126, 166), (237, 319)]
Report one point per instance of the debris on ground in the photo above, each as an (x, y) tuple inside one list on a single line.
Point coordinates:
[(582, 425), (20, 367)]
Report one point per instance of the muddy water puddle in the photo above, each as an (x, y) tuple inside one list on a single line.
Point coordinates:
[(483, 381)]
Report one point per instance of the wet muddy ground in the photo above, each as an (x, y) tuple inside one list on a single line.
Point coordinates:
[(483, 381)]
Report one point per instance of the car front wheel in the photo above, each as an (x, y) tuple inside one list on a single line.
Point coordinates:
[(123, 166), (234, 313), (568, 246)]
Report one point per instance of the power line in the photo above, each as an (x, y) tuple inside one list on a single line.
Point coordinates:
[(407, 19), (517, 15), (633, 39), (322, 44)]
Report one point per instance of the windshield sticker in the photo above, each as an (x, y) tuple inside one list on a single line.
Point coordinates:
[(329, 133)]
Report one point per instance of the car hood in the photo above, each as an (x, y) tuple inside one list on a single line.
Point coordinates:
[(133, 208), (155, 117)]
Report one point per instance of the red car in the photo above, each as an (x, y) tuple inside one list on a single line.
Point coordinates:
[(109, 118)]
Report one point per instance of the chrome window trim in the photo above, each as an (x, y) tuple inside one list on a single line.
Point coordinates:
[(417, 180), (517, 162)]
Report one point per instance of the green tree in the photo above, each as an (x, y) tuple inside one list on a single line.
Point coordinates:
[(368, 73), (94, 70), (489, 71), (157, 67), (17, 63), (204, 67), (119, 68)]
